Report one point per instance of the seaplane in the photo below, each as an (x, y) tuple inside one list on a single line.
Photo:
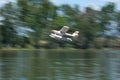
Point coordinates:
[(63, 35)]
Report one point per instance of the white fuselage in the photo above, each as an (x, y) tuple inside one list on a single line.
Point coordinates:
[(58, 32), (60, 37), (61, 34)]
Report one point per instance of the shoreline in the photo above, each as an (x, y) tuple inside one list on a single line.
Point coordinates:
[(34, 49)]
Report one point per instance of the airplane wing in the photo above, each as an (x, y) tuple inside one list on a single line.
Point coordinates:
[(64, 29)]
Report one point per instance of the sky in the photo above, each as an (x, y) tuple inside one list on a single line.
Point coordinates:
[(2, 2), (95, 4)]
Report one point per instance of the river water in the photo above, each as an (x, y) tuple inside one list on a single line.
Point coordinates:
[(60, 65)]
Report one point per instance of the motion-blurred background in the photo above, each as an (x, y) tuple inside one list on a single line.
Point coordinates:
[(28, 23)]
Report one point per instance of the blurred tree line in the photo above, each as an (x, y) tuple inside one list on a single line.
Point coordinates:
[(28, 23)]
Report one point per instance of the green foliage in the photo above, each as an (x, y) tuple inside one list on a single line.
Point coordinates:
[(8, 32), (42, 16)]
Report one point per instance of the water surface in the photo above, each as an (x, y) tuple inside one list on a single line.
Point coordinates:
[(60, 65)]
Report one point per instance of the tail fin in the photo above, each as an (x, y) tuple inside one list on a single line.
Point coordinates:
[(75, 34)]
